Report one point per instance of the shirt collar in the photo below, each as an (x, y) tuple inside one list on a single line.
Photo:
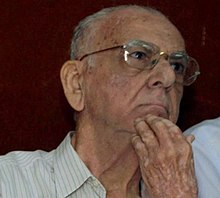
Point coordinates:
[(69, 170)]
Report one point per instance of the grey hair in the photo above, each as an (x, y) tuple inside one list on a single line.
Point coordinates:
[(81, 29)]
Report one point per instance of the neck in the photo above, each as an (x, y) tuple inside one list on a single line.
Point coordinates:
[(110, 157)]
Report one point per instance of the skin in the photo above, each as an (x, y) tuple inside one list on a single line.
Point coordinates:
[(125, 128)]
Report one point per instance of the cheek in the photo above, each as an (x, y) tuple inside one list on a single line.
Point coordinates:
[(105, 90), (118, 83), (175, 98), (115, 90)]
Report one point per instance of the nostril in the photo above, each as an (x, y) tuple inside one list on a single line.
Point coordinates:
[(156, 84)]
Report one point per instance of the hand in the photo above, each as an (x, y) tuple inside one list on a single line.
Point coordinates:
[(165, 158)]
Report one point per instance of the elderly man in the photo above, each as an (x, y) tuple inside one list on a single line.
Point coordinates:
[(125, 80)]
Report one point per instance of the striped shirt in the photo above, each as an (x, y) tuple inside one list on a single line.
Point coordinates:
[(56, 174)]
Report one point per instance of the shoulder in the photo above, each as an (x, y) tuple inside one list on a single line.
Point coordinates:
[(207, 136), (24, 174), (20, 157), (206, 146), (20, 161), (206, 129)]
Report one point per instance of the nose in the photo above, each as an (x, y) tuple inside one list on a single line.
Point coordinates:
[(162, 75)]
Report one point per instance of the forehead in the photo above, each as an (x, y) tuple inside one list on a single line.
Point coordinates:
[(125, 25)]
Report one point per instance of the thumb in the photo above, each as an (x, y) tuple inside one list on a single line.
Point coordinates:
[(190, 138)]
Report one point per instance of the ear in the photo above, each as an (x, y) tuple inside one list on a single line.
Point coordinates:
[(71, 78)]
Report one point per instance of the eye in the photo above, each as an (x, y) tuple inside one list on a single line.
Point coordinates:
[(138, 55), (179, 68)]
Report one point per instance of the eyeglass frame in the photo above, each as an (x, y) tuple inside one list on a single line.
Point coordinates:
[(159, 52)]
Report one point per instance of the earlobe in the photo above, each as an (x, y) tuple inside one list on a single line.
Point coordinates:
[(71, 78)]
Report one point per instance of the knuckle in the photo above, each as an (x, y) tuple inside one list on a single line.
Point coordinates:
[(138, 146), (175, 129), (156, 122), (142, 131), (146, 164), (146, 137)]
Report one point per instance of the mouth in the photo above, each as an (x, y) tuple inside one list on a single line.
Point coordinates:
[(154, 109)]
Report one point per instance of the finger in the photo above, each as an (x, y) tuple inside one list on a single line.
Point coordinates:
[(173, 129), (190, 138), (140, 149), (160, 128), (146, 134)]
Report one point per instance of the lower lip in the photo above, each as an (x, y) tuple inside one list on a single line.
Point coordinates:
[(156, 110)]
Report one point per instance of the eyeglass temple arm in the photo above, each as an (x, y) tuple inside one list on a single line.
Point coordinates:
[(95, 52)]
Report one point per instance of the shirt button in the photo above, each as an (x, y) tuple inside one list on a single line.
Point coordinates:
[(95, 183)]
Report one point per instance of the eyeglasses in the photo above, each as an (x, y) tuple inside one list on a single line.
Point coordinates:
[(145, 56)]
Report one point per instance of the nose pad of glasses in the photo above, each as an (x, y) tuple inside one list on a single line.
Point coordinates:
[(156, 59), (165, 55)]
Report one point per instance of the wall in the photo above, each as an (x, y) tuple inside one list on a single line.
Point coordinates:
[(34, 43)]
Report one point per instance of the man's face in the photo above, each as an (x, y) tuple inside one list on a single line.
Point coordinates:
[(116, 94)]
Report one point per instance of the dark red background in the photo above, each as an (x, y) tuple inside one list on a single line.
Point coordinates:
[(34, 43)]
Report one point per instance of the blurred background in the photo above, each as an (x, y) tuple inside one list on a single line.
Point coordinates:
[(34, 43)]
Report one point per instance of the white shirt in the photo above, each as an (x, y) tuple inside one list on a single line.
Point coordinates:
[(39, 174), (56, 174), (206, 151)]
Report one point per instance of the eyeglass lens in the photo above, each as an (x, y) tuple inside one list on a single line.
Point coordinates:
[(143, 55)]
